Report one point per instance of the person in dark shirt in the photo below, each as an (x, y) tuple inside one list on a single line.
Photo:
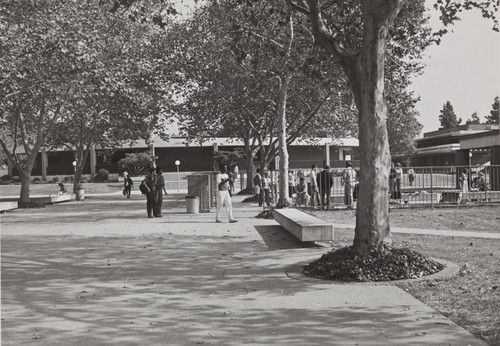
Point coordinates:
[(325, 183), (150, 183), (159, 189)]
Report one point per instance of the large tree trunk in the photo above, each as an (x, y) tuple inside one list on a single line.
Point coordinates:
[(283, 150), (25, 187), (372, 212), (249, 163)]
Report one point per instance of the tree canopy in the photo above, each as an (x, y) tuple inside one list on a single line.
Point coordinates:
[(448, 118)]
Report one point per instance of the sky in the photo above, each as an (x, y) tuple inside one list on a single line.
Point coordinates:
[(464, 69)]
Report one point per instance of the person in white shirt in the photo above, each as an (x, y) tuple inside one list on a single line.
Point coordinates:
[(266, 186), (223, 196), (349, 182), (313, 183)]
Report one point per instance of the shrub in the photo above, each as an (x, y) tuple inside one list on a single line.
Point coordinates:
[(5, 179), (56, 180), (135, 163), (36, 180), (84, 180), (68, 179), (102, 175)]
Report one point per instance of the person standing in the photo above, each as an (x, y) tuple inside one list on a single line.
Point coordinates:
[(464, 184), (291, 183), (159, 189), (313, 183), (150, 183), (325, 183), (398, 178), (411, 176), (266, 186), (274, 185), (223, 197), (392, 177), (257, 183), (349, 181)]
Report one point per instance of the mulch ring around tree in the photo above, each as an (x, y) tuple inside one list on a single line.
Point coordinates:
[(386, 264)]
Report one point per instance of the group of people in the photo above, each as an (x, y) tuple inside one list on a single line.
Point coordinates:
[(153, 186), (309, 189)]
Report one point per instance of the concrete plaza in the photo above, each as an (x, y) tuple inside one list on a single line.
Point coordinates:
[(99, 272)]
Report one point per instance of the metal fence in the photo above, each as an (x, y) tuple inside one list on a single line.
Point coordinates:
[(416, 186)]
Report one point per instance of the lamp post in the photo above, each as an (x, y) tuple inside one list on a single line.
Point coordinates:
[(178, 163), (74, 167)]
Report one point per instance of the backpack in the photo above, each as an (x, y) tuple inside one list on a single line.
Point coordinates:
[(144, 189), (256, 180)]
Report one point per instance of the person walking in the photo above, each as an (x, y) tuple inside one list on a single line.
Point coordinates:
[(349, 182), (127, 184), (159, 189), (149, 183), (325, 183), (223, 197)]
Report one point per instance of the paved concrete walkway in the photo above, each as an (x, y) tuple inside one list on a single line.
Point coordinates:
[(98, 272)]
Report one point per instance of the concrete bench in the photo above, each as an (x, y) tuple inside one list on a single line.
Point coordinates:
[(303, 226)]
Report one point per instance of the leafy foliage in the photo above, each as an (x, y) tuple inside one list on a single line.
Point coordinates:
[(135, 163), (474, 119), (384, 264), (228, 158)]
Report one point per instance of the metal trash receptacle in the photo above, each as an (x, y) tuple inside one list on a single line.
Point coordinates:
[(192, 204)]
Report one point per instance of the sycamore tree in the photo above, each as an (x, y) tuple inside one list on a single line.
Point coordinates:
[(35, 80), (72, 74), (357, 34), (120, 93), (235, 75)]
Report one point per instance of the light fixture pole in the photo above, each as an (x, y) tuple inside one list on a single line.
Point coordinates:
[(178, 163)]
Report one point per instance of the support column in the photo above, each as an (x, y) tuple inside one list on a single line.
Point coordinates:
[(327, 154), (45, 163), (93, 162), (494, 169)]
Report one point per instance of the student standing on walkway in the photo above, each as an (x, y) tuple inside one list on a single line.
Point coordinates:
[(257, 183), (266, 186), (223, 196), (159, 189), (313, 183), (150, 183), (325, 182), (349, 181)]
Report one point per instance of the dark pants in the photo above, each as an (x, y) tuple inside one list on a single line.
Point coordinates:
[(150, 204), (158, 202), (128, 190), (266, 197), (325, 196)]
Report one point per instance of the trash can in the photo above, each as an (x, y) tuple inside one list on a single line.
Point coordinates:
[(192, 204), (80, 194)]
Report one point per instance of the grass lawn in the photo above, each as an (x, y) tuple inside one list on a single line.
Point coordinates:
[(470, 299)]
